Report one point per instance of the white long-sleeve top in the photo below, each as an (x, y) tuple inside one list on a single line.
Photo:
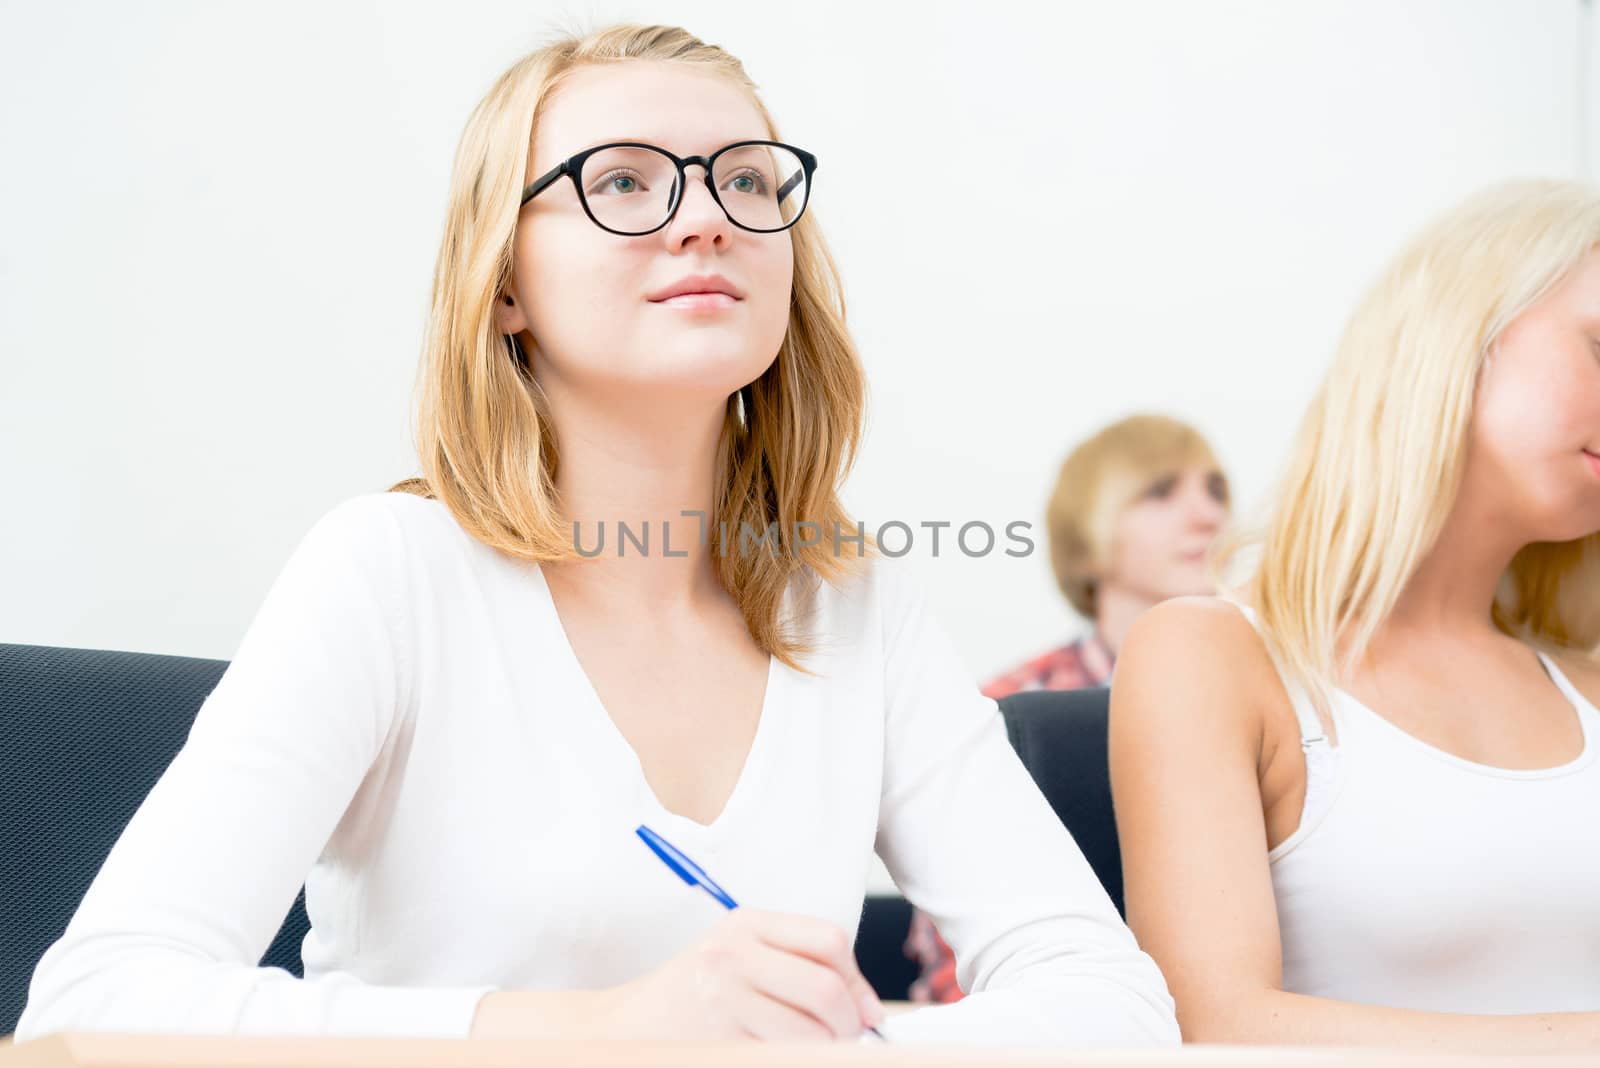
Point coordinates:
[(406, 730)]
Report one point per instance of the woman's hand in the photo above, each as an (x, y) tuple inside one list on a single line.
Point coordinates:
[(755, 975)]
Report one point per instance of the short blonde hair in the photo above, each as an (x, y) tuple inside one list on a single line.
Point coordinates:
[(487, 447), (1378, 461), (1099, 479)]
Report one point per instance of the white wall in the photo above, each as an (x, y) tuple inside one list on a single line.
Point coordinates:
[(1589, 84), (217, 223)]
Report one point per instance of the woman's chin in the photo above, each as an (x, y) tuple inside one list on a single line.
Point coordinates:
[(712, 369)]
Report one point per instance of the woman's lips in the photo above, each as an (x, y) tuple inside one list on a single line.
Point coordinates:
[(698, 301), (1594, 461)]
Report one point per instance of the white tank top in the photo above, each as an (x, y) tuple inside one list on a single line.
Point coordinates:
[(1420, 880)]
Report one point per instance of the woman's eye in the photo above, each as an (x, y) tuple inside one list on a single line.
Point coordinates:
[(1161, 488), (617, 182), (1217, 486), (749, 183)]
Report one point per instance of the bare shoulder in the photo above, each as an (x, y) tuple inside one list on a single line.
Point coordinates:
[(1199, 619), (1205, 638), (1195, 651)]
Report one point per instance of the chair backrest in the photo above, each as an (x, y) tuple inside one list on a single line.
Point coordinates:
[(1061, 737), (84, 735)]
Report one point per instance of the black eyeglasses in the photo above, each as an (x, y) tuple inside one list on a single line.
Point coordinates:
[(631, 189)]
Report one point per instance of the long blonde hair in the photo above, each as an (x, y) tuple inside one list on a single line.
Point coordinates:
[(1376, 466), (484, 436)]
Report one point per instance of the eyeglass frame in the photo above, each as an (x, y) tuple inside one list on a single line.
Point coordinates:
[(572, 167)]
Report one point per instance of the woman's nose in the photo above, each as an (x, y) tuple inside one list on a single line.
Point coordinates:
[(699, 216)]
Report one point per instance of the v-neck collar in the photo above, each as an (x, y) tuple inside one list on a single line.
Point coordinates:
[(594, 710)]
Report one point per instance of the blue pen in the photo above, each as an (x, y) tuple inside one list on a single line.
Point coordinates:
[(694, 874), (687, 870)]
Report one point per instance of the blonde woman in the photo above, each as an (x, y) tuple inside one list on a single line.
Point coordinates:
[(1131, 522), (457, 705), (1357, 803)]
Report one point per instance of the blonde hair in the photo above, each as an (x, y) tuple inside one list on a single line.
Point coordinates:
[(484, 436), (1378, 460), (1100, 478)]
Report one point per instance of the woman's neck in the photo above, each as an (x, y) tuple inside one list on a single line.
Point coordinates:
[(1452, 591), (641, 470), (1115, 610)]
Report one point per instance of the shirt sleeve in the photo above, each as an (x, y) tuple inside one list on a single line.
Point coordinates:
[(169, 935), (971, 841)]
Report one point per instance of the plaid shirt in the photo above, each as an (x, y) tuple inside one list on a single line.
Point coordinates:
[(1085, 663)]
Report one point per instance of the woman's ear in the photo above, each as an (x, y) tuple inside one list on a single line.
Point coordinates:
[(508, 316)]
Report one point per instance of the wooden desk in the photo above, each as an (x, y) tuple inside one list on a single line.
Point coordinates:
[(149, 1051)]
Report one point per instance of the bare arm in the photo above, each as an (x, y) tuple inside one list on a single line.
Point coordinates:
[(1193, 712)]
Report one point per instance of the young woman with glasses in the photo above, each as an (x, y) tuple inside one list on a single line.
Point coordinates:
[(459, 703)]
